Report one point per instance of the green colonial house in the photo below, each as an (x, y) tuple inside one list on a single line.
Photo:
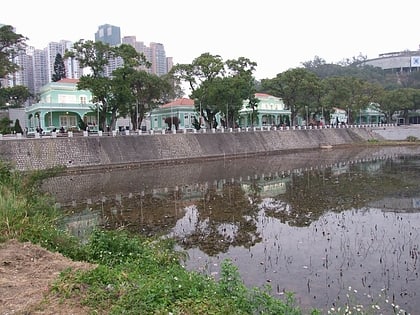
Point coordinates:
[(182, 109), (61, 105), (270, 112), (370, 115)]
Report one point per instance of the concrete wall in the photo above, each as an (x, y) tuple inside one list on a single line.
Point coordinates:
[(122, 151)]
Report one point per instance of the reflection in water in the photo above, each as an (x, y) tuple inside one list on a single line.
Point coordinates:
[(315, 224)]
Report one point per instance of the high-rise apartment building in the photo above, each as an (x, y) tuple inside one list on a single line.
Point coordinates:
[(109, 34), (37, 65), (155, 54), (158, 59), (40, 69), (73, 70)]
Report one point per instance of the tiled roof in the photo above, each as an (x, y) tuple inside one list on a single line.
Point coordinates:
[(180, 102), (68, 80), (262, 95)]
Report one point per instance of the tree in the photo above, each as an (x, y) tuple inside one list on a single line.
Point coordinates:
[(135, 90), (5, 125), (299, 88), (349, 93), (218, 86), (11, 44), (139, 92), (108, 94), (17, 128), (59, 68), (404, 99), (14, 97), (199, 75)]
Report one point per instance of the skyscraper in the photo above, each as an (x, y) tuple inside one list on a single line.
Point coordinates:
[(158, 59), (109, 34), (155, 54)]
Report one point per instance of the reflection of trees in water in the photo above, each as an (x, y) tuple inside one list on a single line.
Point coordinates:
[(225, 218), (226, 212), (148, 214), (310, 194)]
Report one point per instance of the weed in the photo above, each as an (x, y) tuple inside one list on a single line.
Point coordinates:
[(134, 275), (377, 305)]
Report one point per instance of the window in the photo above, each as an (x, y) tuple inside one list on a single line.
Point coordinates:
[(67, 99), (67, 121)]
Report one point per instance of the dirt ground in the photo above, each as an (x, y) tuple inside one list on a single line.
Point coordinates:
[(26, 273)]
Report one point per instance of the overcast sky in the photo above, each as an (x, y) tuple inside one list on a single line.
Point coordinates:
[(275, 34)]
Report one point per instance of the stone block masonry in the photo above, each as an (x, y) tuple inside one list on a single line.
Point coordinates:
[(92, 152)]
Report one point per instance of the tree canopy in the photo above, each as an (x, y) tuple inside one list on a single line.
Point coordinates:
[(127, 91), (59, 68), (218, 86), (11, 44)]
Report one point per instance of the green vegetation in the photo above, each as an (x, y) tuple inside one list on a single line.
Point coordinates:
[(134, 275)]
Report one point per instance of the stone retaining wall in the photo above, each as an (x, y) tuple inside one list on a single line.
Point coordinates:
[(120, 151)]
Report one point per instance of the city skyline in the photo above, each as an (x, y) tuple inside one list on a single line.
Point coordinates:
[(277, 36), (36, 64)]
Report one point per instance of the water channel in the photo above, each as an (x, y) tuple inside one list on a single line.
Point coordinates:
[(329, 225)]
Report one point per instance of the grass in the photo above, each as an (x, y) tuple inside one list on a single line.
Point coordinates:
[(135, 275)]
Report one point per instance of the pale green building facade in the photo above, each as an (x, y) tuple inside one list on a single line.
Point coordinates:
[(271, 111), (61, 105)]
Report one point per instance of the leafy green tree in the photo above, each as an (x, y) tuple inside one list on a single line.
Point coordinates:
[(14, 97), (218, 86), (240, 75), (59, 68), (140, 91), (5, 125), (404, 100), (17, 127), (199, 75), (109, 95), (349, 93), (136, 90), (252, 104), (354, 67), (299, 88), (11, 44)]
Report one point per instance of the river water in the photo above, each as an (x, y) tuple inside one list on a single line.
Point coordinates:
[(333, 226)]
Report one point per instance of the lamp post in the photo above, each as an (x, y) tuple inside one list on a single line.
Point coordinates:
[(307, 115), (200, 114), (137, 116), (348, 115), (227, 115), (97, 123)]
